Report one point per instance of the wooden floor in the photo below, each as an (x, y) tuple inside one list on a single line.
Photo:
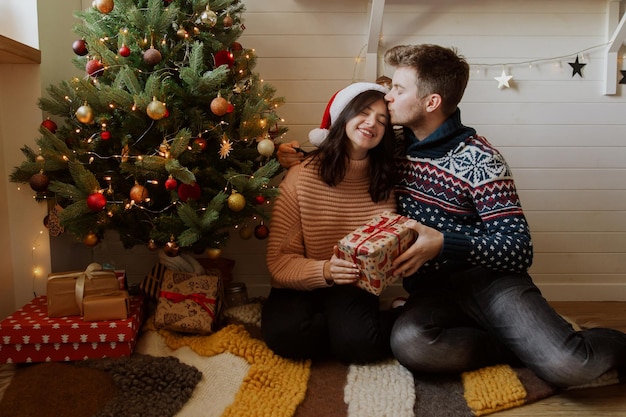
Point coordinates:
[(592, 402)]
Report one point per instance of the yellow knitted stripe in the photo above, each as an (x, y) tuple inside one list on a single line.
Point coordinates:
[(274, 385), (492, 389)]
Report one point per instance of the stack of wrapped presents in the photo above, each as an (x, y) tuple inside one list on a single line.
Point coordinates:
[(84, 315)]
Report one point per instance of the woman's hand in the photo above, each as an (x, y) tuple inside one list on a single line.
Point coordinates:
[(427, 246), (287, 154), (340, 271)]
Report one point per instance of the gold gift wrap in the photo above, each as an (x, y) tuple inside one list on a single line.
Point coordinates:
[(189, 302), (113, 305), (374, 246), (65, 290)]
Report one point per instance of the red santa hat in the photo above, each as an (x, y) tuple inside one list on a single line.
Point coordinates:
[(336, 105)]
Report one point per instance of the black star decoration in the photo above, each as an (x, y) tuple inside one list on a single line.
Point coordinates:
[(623, 80), (577, 67)]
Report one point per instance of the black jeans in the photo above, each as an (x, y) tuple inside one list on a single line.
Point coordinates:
[(480, 317), (341, 322)]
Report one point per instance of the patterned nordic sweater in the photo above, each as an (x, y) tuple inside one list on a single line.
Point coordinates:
[(458, 183), (309, 217)]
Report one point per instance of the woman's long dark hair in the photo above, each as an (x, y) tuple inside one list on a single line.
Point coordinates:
[(333, 154)]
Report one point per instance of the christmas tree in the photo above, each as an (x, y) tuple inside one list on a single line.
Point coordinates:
[(168, 138)]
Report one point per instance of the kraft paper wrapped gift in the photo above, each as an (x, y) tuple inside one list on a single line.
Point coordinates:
[(189, 302), (374, 246), (107, 306), (65, 290), (29, 335)]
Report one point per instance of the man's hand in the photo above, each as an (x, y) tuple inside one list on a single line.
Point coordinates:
[(287, 154), (340, 271), (427, 246)]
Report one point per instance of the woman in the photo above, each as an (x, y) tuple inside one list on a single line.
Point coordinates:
[(314, 310)]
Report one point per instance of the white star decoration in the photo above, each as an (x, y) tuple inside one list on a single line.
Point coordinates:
[(503, 80)]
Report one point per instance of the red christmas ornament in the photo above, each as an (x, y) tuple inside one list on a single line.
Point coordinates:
[(259, 199), (80, 47), (261, 231), (171, 184), (189, 191), (94, 67), (105, 135), (224, 57), (200, 143), (236, 47), (96, 201), (124, 51), (230, 108), (50, 125)]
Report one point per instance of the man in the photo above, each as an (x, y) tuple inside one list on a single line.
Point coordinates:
[(471, 301)]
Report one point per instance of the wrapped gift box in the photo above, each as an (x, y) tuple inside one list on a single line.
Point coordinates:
[(109, 306), (29, 335), (65, 290), (374, 246), (189, 302)]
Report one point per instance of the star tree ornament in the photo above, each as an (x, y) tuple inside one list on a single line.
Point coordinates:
[(577, 67), (503, 80)]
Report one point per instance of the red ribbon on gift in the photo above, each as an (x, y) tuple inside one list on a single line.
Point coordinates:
[(382, 226), (200, 299)]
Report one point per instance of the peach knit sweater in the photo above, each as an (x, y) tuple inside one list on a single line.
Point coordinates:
[(310, 217)]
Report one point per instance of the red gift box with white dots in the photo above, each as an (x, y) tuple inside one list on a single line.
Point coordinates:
[(29, 335)]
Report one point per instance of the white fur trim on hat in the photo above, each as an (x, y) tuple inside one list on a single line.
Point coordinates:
[(337, 104)]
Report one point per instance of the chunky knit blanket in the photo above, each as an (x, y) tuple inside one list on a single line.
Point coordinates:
[(242, 377)]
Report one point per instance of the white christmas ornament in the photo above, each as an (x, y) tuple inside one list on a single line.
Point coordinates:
[(503, 80), (266, 147)]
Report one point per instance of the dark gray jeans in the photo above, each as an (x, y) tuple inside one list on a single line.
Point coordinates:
[(479, 318)]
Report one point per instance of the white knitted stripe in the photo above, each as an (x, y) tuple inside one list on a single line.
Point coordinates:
[(385, 389), (222, 376)]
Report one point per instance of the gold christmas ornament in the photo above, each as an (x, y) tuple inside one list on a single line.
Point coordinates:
[(152, 245), (138, 193), (208, 17), (219, 105), (171, 248), (236, 202), (104, 6), (266, 147), (213, 253), (245, 232), (156, 109), (85, 114), (91, 239)]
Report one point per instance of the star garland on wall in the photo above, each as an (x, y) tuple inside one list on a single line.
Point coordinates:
[(577, 67), (505, 78)]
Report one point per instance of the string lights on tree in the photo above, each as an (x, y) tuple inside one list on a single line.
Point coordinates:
[(168, 121)]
